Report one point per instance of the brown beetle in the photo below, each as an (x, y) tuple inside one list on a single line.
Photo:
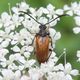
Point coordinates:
[(43, 41)]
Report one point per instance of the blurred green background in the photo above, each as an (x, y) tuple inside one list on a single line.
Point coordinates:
[(69, 40)]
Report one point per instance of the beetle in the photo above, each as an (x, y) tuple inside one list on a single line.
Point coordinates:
[(42, 41)]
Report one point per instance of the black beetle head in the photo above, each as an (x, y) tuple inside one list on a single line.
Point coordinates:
[(42, 27)]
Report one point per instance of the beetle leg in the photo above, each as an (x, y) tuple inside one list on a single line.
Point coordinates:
[(50, 47)]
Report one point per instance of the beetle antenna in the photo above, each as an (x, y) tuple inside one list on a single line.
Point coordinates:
[(57, 18), (30, 16)]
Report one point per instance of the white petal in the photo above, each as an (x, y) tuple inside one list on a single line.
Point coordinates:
[(17, 74), (30, 48), (27, 54), (53, 54), (39, 12), (25, 77), (43, 20), (5, 51), (78, 53), (70, 13), (4, 64), (77, 20), (74, 4), (45, 11), (16, 49), (5, 43), (74, 72), (68, 77), (59, 11), (11, 57), (7, 73), (66, 7), (7, 30), (52, 32), (68, 68), (77, 12), (53, 23), (24, 6), (22, 42), (13, 42), (61, 67), (5, 16), (22, 59), (15, 18), (57, 36), (50, 7), (21, 67), (76, 30), (23, 31), (12, 27), (30, 63), (15, 10), (32, 10)]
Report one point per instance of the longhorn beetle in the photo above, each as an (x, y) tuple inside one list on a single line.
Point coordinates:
[(42, 40)]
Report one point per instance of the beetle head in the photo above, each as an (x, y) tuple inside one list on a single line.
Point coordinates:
[(42, 27)]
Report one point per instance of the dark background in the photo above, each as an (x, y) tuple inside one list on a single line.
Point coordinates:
[(69, 40)]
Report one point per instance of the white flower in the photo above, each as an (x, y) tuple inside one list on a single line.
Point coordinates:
[(16, 49), (30, 63), (73, 9), (23, 6), (3, 53), (20, 58), (29, 48), (51, 10), (76, 30), (77, 20), (68, 70), (11, 58), (3, 64), (7, 74), (74, 72), (43, 20), (78, 53), (68, 77), (17, 75), (57, 36), (15, 10), (24, 77), (66, 7), (52, 32), (56, 76), (16, 21), (21, 67), (13, 66), (59, 12), (59, 67), (35, 74), (27, 54), (50, 7), (5, 17)]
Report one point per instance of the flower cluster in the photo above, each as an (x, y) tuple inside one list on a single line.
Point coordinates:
[(74, 10), (16, 36)]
